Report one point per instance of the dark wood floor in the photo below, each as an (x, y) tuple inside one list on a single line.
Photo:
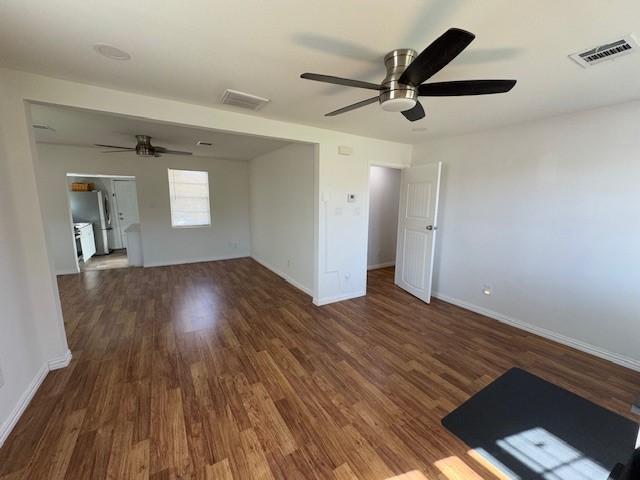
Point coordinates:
[(222, 370)]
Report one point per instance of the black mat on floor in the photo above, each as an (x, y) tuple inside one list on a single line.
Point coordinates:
[(533, 429)]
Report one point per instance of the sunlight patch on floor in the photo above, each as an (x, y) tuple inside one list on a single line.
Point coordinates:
[(550, 457), (412, 475), (455, 469)]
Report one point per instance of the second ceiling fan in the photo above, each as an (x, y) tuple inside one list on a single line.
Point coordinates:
[(143, 148), (406, 73)]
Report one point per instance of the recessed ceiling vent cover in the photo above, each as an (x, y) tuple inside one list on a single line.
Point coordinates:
[(243, 100), (602, 53), (41, 126)]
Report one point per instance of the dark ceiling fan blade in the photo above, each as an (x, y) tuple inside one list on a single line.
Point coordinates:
[(433, 58), (120, 151), (415, 113), (113, 146), (353, 106), (163, 150), (340, 81), (465, 87)]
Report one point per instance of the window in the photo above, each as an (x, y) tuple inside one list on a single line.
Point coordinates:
[(189, 197)]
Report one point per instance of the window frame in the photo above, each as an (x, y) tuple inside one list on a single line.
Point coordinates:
[(207, 225)]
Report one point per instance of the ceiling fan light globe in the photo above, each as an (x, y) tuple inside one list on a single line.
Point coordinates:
[(398, 104)]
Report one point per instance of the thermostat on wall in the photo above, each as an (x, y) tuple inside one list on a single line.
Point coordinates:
[(345, 150)]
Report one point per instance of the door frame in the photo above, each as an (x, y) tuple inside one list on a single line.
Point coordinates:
[(70, 213), (115, 212), (370, 164)]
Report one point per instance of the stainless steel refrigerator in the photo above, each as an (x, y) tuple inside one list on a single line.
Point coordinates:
[(93, 207)]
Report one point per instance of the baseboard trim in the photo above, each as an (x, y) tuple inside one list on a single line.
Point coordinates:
[(67, 272), (22, 404), (616, 358), (337, 298), (283, 275), (60, 362), (195, 260), (27, 396), (382, 265)]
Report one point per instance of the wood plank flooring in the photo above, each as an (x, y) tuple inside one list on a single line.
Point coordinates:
[(222, 370)]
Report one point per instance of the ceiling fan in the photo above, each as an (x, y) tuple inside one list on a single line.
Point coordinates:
[(406, 72), (144, 148)]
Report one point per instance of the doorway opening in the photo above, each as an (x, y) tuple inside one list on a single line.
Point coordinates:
[(384, 200), (403, 213), (103, 212)]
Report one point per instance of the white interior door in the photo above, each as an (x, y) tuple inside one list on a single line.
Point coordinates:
[(417, 226), (127, 205)]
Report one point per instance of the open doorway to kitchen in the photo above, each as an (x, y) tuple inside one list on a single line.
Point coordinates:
[(103, 211)]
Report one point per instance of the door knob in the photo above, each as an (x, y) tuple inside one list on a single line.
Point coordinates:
[(431, 227)]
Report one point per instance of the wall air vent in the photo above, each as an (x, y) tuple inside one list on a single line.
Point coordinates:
[(609, 51), (243, 100), (41, 126)]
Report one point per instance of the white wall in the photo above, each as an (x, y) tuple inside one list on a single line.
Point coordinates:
[(548, 215), (32, 337), (282, 216), (227, 237), (21, 356), (339, 274), (384, 199)]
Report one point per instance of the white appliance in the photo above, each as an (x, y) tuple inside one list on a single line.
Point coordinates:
[(84, 233), (93, 207), (134, 245)]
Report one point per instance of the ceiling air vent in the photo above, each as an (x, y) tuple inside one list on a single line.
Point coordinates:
[(41, 126), (610, 51), (243, 100)]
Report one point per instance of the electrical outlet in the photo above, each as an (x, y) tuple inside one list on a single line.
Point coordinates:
[(486, 290)]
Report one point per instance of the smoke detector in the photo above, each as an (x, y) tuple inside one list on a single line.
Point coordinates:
[(608, 51), (243, 100)]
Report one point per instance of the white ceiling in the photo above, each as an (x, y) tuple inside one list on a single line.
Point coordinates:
[(86, 128), (194, 50)]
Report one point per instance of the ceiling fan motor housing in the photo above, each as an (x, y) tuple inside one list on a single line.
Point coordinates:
[(144, 147), (395, 96)]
